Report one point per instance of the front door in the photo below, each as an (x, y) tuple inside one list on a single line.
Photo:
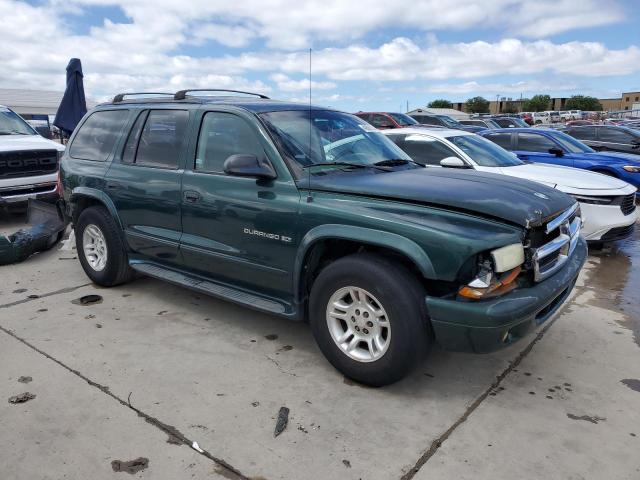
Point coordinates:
[(238, 230), (144, 183)]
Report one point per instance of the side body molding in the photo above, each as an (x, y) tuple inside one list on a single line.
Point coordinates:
[(364, 235)]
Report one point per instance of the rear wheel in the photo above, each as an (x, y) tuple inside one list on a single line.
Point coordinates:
[(368, 317), (100, 248)]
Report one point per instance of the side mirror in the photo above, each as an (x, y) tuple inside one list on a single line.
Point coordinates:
[(248, 166), (453, 162), (635, 144), (556, 151)]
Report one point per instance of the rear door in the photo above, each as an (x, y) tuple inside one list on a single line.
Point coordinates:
[(238, 230), (144, 183), (536, 147)]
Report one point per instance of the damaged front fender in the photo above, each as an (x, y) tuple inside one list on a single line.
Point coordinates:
[(47, 224)]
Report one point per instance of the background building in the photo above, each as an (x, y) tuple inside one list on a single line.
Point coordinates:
[(34, 104)]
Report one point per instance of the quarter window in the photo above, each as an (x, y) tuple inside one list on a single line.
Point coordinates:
[(129, 152), (221, 136), (98, 135), (532, 142), (162, 139)]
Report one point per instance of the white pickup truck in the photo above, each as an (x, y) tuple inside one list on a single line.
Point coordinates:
[(28, 161)]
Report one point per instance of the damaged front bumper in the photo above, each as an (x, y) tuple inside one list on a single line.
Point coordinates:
[(47, 224), (484, 326)]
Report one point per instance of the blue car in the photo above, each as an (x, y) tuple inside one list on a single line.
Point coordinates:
[(557, 148)]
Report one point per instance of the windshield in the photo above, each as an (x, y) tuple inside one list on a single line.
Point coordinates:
[(450, 122), (12, 124), (403, 119), (484, 152), (570, 144), (330, 137)]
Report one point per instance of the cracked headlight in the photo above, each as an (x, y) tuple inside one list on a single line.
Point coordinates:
[(496, 276)]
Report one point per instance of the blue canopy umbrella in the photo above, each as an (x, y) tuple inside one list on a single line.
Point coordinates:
[(73, 105)]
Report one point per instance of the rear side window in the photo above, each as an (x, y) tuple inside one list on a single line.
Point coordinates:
[(532, 142), (378, 121), (501, 139), (221, 136), (98, 135), (160, 142), (583, 133), (425, 150)]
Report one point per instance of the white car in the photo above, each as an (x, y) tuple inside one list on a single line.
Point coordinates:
[(458, 149), (28, 161)]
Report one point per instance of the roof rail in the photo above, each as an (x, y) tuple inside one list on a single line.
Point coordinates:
[(182, 94), (120, 97)]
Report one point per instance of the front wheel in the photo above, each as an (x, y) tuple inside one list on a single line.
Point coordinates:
[(369, 319)]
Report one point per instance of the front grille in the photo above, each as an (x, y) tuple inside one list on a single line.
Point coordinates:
[(618, 233), (564, 231), (628, 204), (27, 163)]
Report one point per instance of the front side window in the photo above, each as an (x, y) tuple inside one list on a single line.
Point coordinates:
[(308, 137), (162, 139), (98, 135), (484, 152), (570, 144), (221, 136), (614, 135), (532, 142), (423, 149)]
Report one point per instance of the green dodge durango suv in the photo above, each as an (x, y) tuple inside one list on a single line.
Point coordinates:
[(312, 214)]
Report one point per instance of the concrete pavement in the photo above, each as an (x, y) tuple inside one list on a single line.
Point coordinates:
[(114, 379)]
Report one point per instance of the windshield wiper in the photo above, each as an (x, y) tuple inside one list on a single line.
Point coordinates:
[(392, 162), (344, 164)]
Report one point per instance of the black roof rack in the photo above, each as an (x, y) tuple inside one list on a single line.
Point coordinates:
[(120, 97), (182, 94)]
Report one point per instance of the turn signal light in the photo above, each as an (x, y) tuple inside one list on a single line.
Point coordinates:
[(498, 286)]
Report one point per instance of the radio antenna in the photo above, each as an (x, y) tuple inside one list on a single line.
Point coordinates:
[(309, 198)]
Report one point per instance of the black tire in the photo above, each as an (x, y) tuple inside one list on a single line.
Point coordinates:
[(116, 270), (401, 296)]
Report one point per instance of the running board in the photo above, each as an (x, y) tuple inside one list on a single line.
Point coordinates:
[(210, 288)]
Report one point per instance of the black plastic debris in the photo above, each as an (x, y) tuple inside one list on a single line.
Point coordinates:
[(23, 397), (131, 466), (47, 224), (283, 420), (87, 300)]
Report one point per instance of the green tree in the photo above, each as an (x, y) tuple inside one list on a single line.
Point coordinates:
[(537, 103), (440, 103), (477, 105), (582, 102)]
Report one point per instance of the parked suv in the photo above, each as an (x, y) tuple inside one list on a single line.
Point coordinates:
[(314, 215), (28, 162)]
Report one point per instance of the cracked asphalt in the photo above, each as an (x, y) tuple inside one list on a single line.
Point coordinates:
[(152, 368)]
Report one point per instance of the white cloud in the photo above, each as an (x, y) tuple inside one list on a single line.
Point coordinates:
[(286, 84), (144, 53)]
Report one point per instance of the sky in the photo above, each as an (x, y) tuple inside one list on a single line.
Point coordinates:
[(365, 55)]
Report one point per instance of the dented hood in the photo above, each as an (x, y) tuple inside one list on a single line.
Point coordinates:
[(501, 197)]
